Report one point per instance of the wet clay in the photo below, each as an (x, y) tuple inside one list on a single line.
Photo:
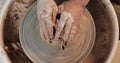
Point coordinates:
[(102, 45)]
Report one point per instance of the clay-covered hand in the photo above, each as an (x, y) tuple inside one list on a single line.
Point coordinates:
[(65, 27), (70, 13), (46, 12)]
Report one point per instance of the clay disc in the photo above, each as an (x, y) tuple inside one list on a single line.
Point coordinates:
[(41, 52)]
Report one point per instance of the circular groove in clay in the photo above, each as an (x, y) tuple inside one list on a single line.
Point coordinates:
[(39, 51)]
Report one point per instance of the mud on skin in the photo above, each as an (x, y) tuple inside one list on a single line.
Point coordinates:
[(64, 28)]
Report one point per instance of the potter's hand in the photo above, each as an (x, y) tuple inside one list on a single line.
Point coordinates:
[(46, 11), (70, 11)]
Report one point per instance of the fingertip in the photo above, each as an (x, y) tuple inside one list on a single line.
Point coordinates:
[(56, 37)]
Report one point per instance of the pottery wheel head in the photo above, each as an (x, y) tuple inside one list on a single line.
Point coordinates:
[(41, 52)]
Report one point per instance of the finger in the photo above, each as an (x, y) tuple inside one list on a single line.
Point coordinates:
[(41, 5), (54, 12), (67, 28), (49, 28), (48, 21), (49, 16), (41, 32), (43, 28), (72, 33), (60, 24), (40, 27), (61, 8)]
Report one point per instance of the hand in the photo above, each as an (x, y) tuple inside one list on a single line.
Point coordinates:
[(71, 12), (46, 11)]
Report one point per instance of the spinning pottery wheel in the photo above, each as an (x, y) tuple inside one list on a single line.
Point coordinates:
[(40, 51), (103, 51)]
